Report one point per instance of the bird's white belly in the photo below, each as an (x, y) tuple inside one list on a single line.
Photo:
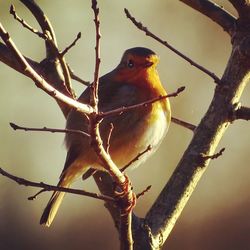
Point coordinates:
[(153, 135), (156, 130)]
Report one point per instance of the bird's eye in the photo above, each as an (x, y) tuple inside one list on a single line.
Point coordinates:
[(130, 64)]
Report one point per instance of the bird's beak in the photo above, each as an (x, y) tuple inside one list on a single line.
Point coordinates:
[(148, 64), (151, 60)]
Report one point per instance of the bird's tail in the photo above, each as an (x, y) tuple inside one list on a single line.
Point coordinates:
[(55, 201)]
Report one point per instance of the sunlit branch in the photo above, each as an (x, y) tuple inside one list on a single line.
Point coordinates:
[(52, 130), (215, 12), (183, 123), (39, 81), (47, 187), (139, 105), (140, 26)]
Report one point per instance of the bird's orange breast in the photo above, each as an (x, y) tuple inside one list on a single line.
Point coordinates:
[(152, 126)]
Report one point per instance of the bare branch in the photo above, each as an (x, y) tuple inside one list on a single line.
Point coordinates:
[(127, 197), (162, 216), (52, 130), (126, 203), (49, 37), (88, 173), (39, 81), (77, 78), (109, 137), (97, 142), (215, 12), (136, 158), (121, 110), (44, 23), (71, 45), (126, 239), (242, 7), (25, 24), (47, 69), (47, 187), (143, 192), (64, 66), (94, 86), (33, 197), (7, 58), (183, 123), (166, 44), (214, 156), (241, 113)]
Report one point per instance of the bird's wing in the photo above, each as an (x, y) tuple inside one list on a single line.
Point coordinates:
[(112, 95), (72, 155)]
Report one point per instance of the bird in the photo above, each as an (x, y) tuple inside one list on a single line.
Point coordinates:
[(133, 81)]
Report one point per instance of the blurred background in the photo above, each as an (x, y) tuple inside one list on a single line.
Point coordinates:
[(217, 215)]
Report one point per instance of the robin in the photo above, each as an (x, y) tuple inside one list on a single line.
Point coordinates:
[(133, 81)]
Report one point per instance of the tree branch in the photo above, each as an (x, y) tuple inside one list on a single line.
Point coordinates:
[(215, 12), (52, 130), (241, 113), (47, 69), (77, 78), (39, 81), (183, 123), (166, 44), (121, 110), (47, 187), (168, 206), (136, 158), (242, 7), (126, 196), (7, 58), (44, 23), (50, 40), (26, 25), (214, 156), (143, 192), (71, 45)]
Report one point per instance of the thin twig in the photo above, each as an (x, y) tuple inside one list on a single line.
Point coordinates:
[(97, 142), (242, 7), (47, 187), (25, 24), (52, 130), (136, 158), (183, 123), (65, 69), (127, 198), (39, 81), (240, 112), (71, 45), (44, 23), (77, 78), (33, 197), (214, 156), (95, 84), (139, 105), (53, 46), (89, 173), (143, 192), (140, 26), (109, 137), (215, 12)]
